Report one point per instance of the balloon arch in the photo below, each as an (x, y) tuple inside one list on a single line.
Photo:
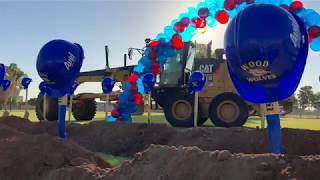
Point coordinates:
[(184, 28)]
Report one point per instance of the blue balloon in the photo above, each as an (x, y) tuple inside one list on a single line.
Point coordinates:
[(315, 44), (6, 84), (58, 64), (266, 49), (25, 82), (111, 119), (107, 85), (72, 88), (43, 87), (2, 72), (197, 81), (149, 81)]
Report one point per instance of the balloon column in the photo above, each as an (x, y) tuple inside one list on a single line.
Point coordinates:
[(70, 93), (196, 83), (58, 64), (149, 82), (186, 26), (25, 82), (266, 48), (107, 87)]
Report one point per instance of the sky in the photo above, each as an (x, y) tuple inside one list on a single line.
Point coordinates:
[(25, 26)]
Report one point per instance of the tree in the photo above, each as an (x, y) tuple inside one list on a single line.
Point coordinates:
[(32, 101), (305, 97), (316, 102), (14, 71), (14, 74)]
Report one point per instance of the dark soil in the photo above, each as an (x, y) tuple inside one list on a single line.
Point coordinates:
[(170, 163), (33, 150), (127, 139), (25, 156)]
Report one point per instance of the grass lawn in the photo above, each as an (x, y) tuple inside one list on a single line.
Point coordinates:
[(114, 161), (286, 122)]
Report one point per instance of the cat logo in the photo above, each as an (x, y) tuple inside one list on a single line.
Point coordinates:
[(258, 71)]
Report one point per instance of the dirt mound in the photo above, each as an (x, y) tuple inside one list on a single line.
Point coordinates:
[(167, 163), (34, 151), (25, 156), (127, 139)]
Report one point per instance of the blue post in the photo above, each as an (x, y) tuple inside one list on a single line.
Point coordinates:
[(274, 132)]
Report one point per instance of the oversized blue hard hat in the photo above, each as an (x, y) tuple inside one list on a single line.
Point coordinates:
[(197, 81), (25, 82), (107, 85), (2, 72), (266, 48), (58, 64), (149, 81)]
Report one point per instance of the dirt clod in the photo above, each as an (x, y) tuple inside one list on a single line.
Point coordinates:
[(224, 155)]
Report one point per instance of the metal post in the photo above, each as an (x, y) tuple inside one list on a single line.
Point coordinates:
[(44, 106), (26, 113), (149, 108), (195, 119), (70, 109), (262, 116), (106, 106), (63, 103)]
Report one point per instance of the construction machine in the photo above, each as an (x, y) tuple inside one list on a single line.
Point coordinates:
[(218, 101)]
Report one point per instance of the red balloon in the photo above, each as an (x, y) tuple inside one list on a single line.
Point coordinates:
[(203, 12), (115, 113), (133, 89), (155, 68), (153, 55), (137, 98), (199, 22), (222, 17), (177, 42), (154, 44), (179, 27), (296, 5), (185, 21), (313, 32), (133, 79), (230, 4)]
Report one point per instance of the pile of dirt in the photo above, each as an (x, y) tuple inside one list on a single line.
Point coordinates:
[(168, 163), (25, 156), (33, 151), (127, 139)]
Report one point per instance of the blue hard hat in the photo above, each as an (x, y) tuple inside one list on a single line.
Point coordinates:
[(25, 82), (266, 48), (6, 84), (107, 85), (197, 81), (2, 72), (58, 64)]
